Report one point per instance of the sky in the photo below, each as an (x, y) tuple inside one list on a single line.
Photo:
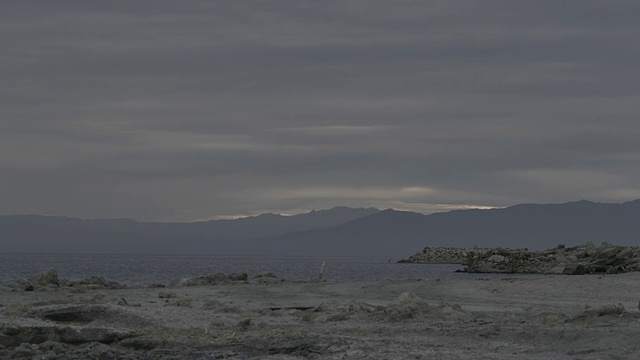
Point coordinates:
[(188, 110)]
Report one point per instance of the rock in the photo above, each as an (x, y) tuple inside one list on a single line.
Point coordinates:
[(625, 253), (575, 269), (558, 269), (496, 258), (608, 252), (47, 278), (590, 249), (20, 285)]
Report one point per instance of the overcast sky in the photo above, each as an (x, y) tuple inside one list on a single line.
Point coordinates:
[(189, 110)]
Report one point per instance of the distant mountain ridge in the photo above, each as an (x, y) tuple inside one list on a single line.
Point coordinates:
[(339, 231), (38, 233), (533, 226)]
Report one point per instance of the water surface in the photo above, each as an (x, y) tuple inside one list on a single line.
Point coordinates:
[(148, 269)]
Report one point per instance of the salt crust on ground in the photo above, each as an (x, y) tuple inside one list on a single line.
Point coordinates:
[(542, 317)]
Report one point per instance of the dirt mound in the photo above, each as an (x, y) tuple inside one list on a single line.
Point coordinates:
[(341, 309), (407, 305), (410, 306), (602, 313)]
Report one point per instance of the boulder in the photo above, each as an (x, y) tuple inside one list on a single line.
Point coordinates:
[(575, 269), (608, 252), (496, 258), (47, 278), (558, 269), (625, 253)]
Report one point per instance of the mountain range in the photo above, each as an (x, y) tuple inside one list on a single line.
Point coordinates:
[(340, 231)]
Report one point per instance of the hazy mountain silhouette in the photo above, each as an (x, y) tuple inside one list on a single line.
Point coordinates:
[(396, 233), (37, 233), (337, 232)]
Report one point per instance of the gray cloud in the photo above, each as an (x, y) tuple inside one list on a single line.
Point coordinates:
[(182, 110)]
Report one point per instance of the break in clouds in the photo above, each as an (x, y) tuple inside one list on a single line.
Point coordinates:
[(188, 110)]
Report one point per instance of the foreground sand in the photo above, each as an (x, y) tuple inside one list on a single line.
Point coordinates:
[(542, 317)]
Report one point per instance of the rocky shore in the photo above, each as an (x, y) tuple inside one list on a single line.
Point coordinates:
[(443, 255), (231, 316), (575, 260)]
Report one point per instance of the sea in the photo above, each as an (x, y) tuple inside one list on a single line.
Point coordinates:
[(140, 270)]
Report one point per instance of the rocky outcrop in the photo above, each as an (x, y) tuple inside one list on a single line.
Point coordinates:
[(213, 279), (49, 281), (576, 260), (47, 278), (92, 283), (443, 255)]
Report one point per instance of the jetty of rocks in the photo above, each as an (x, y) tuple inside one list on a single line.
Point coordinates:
[(575, 260), (444, 255)]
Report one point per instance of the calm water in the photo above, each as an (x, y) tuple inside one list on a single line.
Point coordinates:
[(142, 270)]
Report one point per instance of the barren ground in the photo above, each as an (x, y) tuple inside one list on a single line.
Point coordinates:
[(549, 317)]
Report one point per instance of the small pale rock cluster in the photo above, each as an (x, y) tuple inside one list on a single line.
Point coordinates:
[(443, 255), (576, 260)]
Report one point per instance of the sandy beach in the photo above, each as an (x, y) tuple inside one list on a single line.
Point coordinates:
[(538, 317)]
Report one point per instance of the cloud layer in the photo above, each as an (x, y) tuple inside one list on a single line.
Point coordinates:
[(185, 110)]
